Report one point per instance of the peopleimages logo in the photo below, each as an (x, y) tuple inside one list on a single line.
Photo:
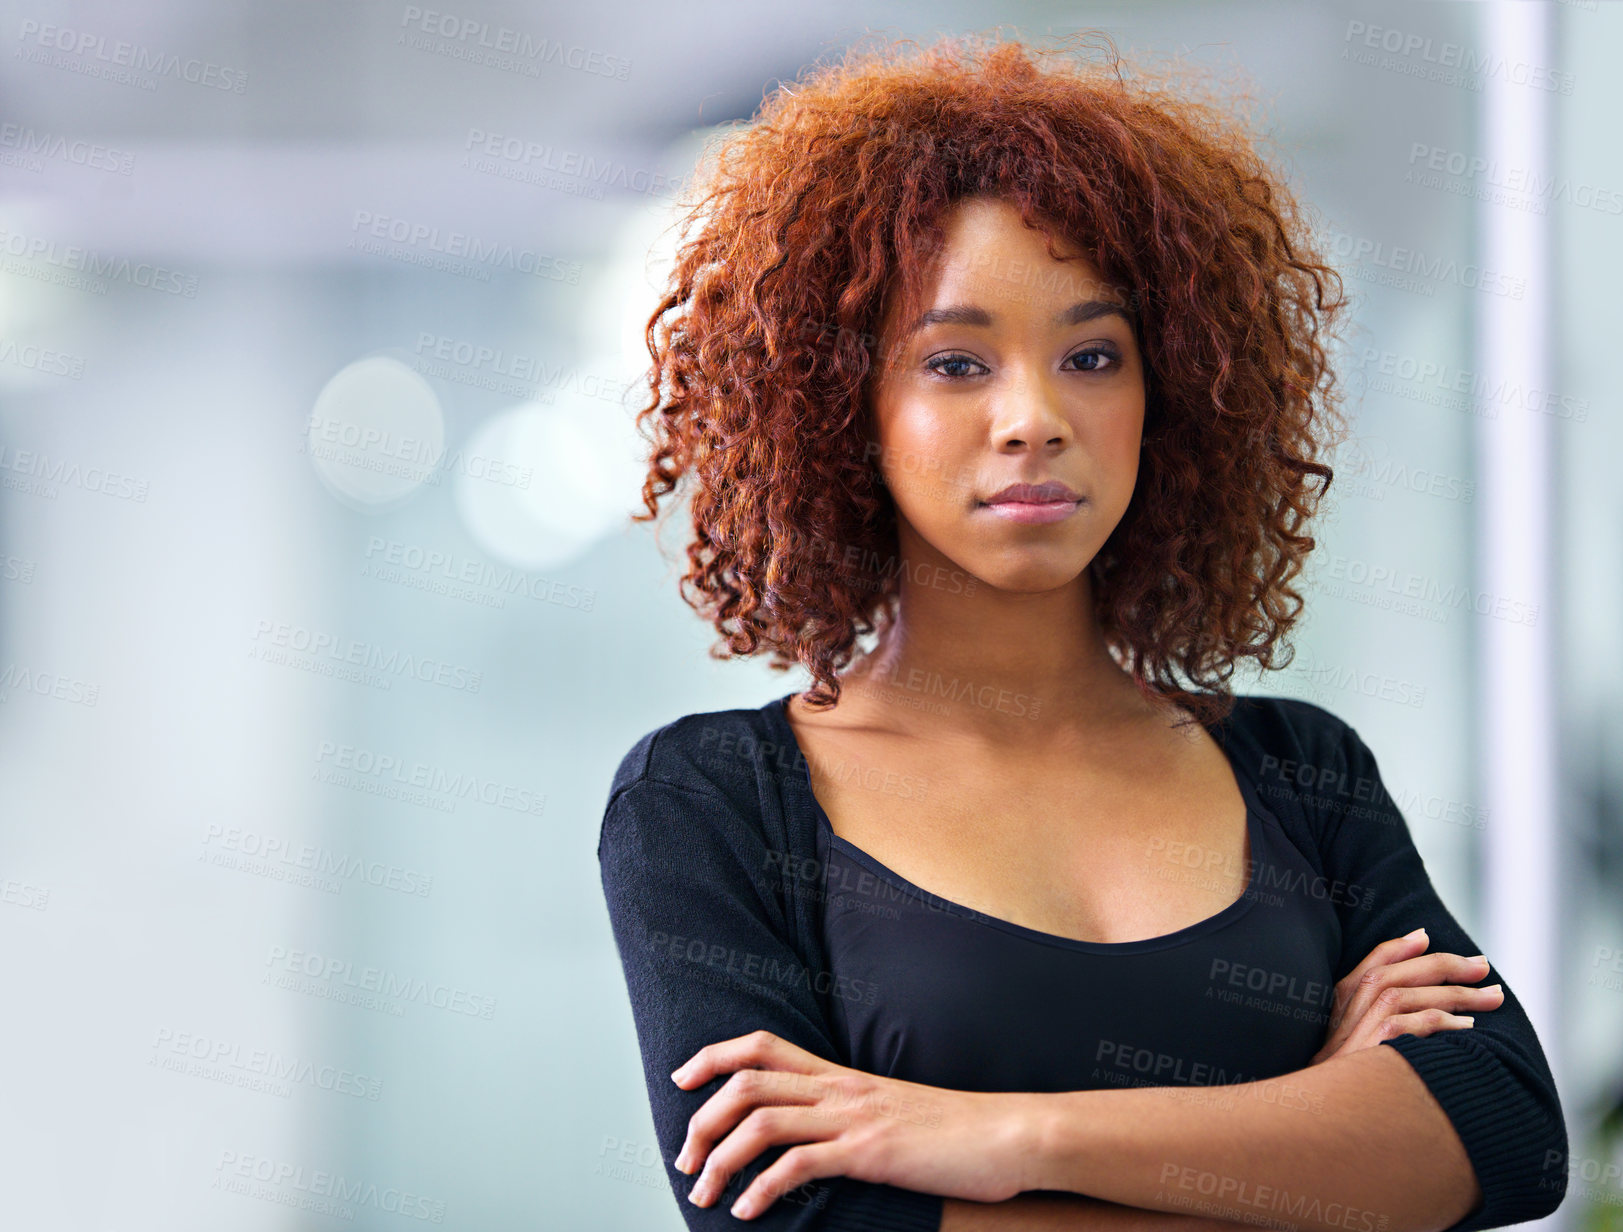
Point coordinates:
[(1450, 63), (1431, 380), (262, 1069), (92, 270), (270, 855), (1411, 269), (410, 773), (317, 1189), (93, 53), (15, 678), (1396, 583), (1512, 179), (329, 654), (35, 144), (502, 47), (470, 253), (381, 554), (34, 358), (539, 162), (342, 974)]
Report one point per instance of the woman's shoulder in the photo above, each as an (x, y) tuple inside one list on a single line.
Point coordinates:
[(1309, 764), (1280, 725), (707, 752), (701, 788)]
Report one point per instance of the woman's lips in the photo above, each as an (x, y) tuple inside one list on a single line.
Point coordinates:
[(1032, 512)]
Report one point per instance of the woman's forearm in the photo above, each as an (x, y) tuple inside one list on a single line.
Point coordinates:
[(1060, 1212), (1356, 1143)]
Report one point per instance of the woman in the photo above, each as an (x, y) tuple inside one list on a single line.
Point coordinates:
[(1021, 369)]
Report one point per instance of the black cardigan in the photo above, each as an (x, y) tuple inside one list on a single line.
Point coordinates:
[(709, 832)]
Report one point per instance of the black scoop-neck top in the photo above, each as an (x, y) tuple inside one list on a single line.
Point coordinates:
[(941, 994), (708, 854)]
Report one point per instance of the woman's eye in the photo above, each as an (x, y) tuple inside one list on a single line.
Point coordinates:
[(1099, 359), (942, 362)]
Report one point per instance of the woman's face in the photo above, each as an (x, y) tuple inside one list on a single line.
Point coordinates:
[(1020, 370)]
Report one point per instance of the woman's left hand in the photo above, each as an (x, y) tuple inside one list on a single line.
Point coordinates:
[(959, 1144)]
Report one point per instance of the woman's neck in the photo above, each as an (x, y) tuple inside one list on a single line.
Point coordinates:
[(996, 665)]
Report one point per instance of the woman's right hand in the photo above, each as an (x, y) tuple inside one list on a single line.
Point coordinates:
[(1401, 990)]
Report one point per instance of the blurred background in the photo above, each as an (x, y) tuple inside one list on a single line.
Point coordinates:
[(323, 627)]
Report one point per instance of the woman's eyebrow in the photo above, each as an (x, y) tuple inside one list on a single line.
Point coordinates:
[(968, 314)]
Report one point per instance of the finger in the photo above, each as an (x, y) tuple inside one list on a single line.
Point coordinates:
[(1439, 968), (1399, 1000), (1392, 951), (1420, 1022), (740, 1095), (757, 1050), (793, 1169), (1347, 1008), (762, 1128), (1374, 1029), (1427, 969)]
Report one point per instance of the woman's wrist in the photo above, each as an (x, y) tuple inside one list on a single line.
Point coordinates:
[(1047, 1135)]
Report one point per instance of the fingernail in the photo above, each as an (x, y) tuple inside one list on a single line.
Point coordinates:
[(1481, 958), (1419, 932), (1467, 1019), (1494, 988), (676, 1074)]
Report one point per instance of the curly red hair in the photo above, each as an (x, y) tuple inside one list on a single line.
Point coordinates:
[(763, 348)]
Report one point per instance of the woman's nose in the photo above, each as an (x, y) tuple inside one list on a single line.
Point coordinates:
[(1031, 412)]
